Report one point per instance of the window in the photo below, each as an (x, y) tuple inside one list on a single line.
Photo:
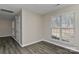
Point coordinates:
[(63, 27)]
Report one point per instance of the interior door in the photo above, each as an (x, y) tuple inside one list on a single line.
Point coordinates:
[(18, 29), (13, 28)]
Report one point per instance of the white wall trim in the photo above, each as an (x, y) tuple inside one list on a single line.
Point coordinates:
[(16, 41), (5, 36), (74, 48), (31, 43)]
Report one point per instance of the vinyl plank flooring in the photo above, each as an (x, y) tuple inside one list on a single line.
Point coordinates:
[(9, 46)]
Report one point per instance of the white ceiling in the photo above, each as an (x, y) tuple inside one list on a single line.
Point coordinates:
[(37, 8)]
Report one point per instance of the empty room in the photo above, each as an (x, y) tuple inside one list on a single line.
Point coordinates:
[(39, 29)]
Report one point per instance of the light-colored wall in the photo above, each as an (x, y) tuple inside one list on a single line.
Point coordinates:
[(47, 22), (32, 27), (5, 26)]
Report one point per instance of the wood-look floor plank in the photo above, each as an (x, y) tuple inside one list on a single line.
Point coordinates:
[(9, 46)]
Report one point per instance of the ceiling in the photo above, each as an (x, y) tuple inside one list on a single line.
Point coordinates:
[(36, 8)]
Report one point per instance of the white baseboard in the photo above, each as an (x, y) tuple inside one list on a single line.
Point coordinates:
[(5, 36), (74, 48), (13, 37), (16, 41), (31, 43)]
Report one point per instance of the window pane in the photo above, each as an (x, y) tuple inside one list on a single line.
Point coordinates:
[(67, 27), (56, 22), (56, 28)]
